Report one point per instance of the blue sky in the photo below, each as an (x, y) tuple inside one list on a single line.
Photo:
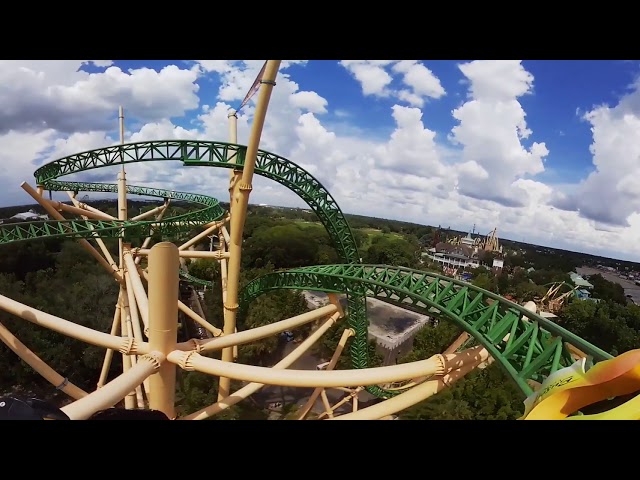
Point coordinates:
[(512, 144), (553, 109)]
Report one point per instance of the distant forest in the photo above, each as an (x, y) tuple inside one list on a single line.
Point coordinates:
[(58, 277)]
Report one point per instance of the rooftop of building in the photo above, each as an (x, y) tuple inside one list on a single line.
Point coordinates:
[(579, 281)]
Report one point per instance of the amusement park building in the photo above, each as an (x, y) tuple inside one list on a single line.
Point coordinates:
[(580, 282), (464, 254), (454, 260)]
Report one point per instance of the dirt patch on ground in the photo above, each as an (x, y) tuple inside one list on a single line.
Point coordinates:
[(385, 320)]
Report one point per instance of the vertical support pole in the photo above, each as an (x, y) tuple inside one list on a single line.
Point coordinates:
[(108, 357), (234, 175), (122, 198), (239, 202), (130, 399), (122, 185), (164, 262)]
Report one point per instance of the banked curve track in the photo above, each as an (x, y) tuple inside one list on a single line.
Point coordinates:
[(168, 227), (527, 345)]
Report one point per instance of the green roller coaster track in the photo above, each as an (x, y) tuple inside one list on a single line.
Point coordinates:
[(114, 228), (269, 165), (528, 347)]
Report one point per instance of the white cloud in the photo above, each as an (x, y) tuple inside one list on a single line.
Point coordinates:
[(17, 152), (412, 148), (375, 79), (610, 194), (310, 101), (102, 63), (371, 74), (483, 174), (421, 80), (491, 129), (219, 66), (42, 94)]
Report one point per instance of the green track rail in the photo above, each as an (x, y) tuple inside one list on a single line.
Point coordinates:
[(528, 346), (462, 303), (170, 227), (268, 165)]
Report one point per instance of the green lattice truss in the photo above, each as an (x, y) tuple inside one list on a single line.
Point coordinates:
[(170, 227), (535, 346), (528, 346)]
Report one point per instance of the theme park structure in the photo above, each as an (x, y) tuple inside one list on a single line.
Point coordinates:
[(558, 372)]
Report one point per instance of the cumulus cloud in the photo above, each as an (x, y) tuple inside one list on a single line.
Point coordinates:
[(412, 147), (17, 151), (375, 78), (310, 101), (491, 130), (609, 194), (420, 79), (484, 173), (41, 95)]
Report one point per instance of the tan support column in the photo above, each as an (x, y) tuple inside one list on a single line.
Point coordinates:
[(239, 202), (53, 213), (164, 263)]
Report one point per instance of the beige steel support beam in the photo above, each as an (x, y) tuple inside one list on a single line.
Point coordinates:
[(247, 336), (349, 332), (238, 206), (35, 362), (225, 234), (223, 280), (199, 319), (306, 378), (112, 269), (252, 388), (234, 174), (70, 329), (148, 214), (122, 208), (131, 309), (122, 215), (96, 237), (89, 208), (137, 287), (197, 306), (115, 390), (108, 356), (352, 396), (464, 336), (208, 231), (408, 399), (63, 207), (186, 253), (325, 403), (130, 397), (147, 240), (163, 323), (132, 330), (84, 206)]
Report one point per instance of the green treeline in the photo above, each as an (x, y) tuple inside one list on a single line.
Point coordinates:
[(57, 276)]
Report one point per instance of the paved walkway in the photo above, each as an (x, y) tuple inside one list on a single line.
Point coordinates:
[(630, 288)]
